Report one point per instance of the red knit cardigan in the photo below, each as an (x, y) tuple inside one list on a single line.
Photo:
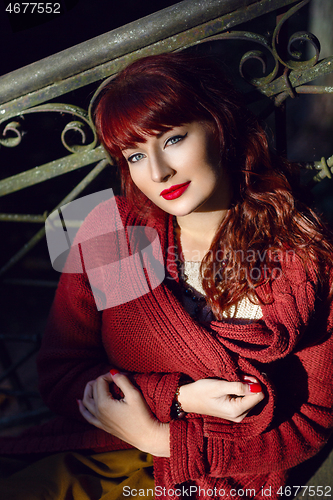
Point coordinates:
[(290, 351)]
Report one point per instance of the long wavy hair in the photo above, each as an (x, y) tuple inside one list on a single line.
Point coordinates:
[(266, 219)]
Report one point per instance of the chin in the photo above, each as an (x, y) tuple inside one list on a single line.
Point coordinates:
[(184, 211), (180, 208)]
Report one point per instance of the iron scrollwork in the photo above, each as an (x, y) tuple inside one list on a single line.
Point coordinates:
[(79, 125), (287, 60), (274, 48)]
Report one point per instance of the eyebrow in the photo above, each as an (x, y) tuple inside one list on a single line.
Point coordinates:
[(158, 136)]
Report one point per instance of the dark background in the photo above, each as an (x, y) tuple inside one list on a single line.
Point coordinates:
[(27, 38)]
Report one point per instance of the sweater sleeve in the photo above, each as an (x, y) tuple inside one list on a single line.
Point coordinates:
[(301, 426), (72, 354), (72, 351)]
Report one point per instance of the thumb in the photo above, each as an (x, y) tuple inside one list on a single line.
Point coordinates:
[(121, 381), (243, 388), (252, 383)]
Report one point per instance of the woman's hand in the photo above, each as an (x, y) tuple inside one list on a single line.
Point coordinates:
[(219, 398), (129, 419)]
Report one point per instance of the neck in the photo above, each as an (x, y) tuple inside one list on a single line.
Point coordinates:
[(201, 224), (197, 231)]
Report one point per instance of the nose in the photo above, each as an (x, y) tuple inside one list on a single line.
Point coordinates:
[(160, 169)]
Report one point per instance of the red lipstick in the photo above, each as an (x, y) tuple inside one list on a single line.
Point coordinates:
[(175, 191)]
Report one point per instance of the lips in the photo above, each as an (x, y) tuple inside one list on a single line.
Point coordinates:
[(175, 191)]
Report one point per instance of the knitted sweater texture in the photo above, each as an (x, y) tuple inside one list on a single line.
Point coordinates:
[(290, 351)]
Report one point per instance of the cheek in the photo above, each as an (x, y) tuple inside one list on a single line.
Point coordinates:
[(142, 183), (211, 173)]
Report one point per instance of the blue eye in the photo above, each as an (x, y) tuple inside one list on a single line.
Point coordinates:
[(136, 157), (175, 139)]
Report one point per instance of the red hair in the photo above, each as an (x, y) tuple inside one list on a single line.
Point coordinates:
[(157, 93)]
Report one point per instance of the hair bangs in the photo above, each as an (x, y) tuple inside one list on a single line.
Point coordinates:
[(140, 109)]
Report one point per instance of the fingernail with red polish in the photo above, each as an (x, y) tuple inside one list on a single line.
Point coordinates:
[(113, 371), (254, 387), (78, 402), (245, 378)]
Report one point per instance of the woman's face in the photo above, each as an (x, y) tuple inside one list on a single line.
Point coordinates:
[(180, 170)]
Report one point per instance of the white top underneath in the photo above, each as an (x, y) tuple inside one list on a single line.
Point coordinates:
[(244, 311)]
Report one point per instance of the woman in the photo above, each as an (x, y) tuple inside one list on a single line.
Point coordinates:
[(223, 371)]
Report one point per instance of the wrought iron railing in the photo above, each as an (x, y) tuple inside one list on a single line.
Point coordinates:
[(29, 90)]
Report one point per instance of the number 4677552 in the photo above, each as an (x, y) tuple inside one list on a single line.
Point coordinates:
[(33, 8)]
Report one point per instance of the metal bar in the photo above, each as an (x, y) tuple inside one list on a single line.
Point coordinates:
[(116, 43), (70, 197), (38, 219), (50, 170), (298, 78), (313, 89), (323, 172), (56, 88), (304, 89), (324, 168), (280, 114)]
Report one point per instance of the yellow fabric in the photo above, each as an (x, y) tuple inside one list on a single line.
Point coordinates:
[(68, 475)]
